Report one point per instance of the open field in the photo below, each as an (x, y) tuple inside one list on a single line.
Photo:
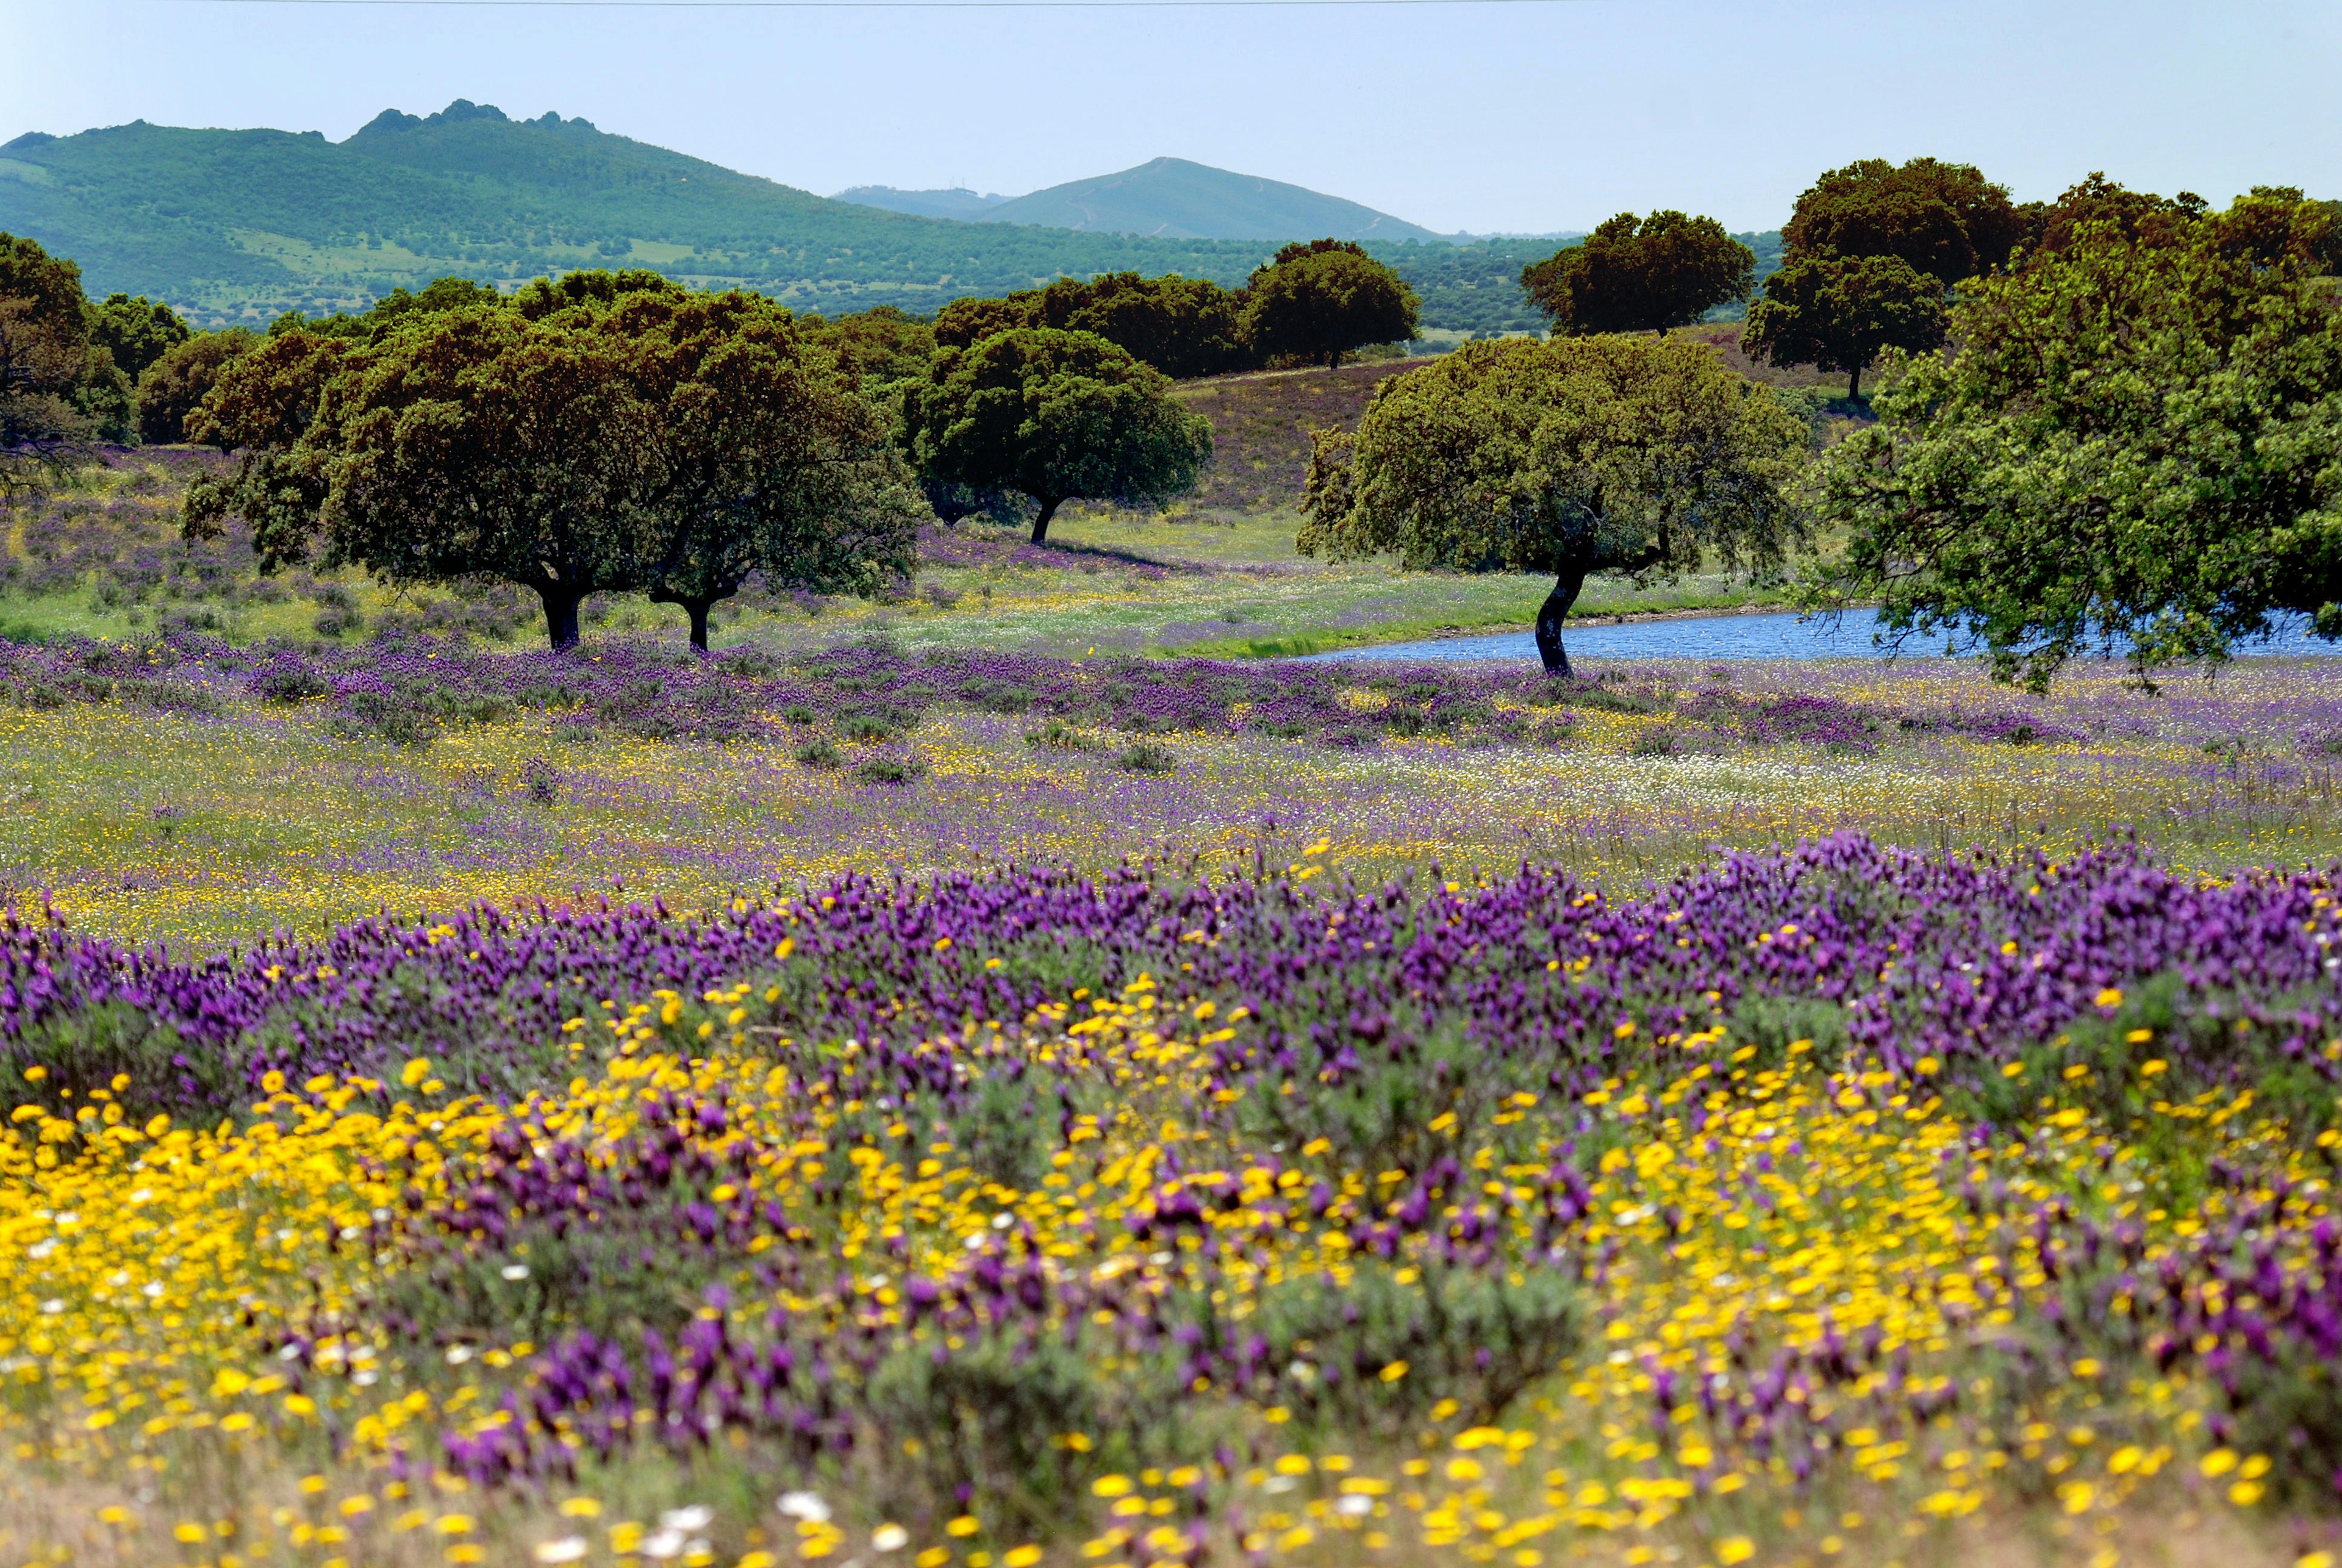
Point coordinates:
[(629, 773), (1837, 1206), (103, 559), (1017, 1095)]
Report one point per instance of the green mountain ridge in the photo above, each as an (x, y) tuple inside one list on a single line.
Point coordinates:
[(1170, 198), (241, 225)]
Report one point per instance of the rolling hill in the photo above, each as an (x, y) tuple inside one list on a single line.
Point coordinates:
[(956, 202), (245, 223), (234, 226), (1169, 198)]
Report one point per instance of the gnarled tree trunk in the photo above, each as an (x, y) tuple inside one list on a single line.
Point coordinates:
[(1049, 504), (1550, 615), (561, 601), (696, 606)]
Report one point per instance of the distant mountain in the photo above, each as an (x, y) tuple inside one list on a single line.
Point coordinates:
[(241, 225), (958, 202), (1171, 198)]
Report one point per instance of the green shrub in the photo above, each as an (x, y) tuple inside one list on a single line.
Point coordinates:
[(988, 1419), (890, 769), (122, 1050), (1659, 741), (1059, 735), (289, 684), (1376, 1351), (171, 696), (391, 716), (1145, 757)]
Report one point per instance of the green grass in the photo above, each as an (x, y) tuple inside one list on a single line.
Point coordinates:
[(104, 560), (207, 831)]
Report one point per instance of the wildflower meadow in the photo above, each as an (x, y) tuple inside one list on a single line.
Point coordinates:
[(979, 1110)]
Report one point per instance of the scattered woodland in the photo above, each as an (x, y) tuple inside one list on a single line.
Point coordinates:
[(235, 227), (906, 1032)]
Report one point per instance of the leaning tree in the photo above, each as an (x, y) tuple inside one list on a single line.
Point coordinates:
[(1577, 456), (1057, 415)]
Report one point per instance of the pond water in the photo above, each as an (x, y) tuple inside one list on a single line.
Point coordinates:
[(1759, 636)]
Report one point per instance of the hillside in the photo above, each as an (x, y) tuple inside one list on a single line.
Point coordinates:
[(1261, 424), (957, 202), (1176, 199), (246, 224), (241, 225)]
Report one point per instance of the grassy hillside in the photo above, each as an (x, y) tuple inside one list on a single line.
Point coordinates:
[(953, 202), (1261, 424), (1176, 199), (245, 223), (241, 225)]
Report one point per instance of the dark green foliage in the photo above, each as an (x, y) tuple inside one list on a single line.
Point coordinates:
[(1838, 312), (1869, 258), (1321, 300), (167, 695), (605, 433), (1575, 455), (544, 295), (1147, 757), (1059, 735), (1641, 275), (2134, 440), (182, 377), (56, 388), (122, 1052), (869, 726), (1452, 1333), (540, 782), (134, 331), (890, 768), (1057, 415), (990, 1416), (1183, 327), (876, 350), (1943, 220), (390, 716), (820, 752)]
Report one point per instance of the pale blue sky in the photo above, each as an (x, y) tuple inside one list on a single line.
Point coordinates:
[(1535, 116)]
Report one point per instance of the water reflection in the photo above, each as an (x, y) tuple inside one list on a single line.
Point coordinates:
[(1775, 636)]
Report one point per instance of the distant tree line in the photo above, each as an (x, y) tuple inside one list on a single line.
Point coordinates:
[(2108, 417), (2129, 444), (1313, 304)]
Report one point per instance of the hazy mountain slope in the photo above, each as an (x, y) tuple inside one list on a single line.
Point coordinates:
[(251, 223), (1173, 198), (244, 225), (958, 202)]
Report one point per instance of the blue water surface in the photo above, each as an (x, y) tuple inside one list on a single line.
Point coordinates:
[(1775, 636)]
